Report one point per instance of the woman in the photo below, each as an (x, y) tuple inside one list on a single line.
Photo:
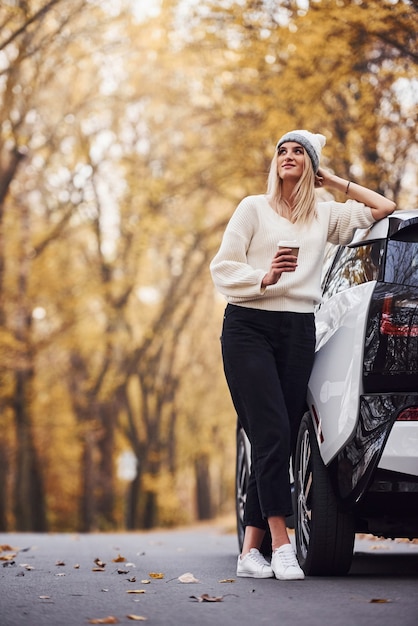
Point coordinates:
[(268, 335)]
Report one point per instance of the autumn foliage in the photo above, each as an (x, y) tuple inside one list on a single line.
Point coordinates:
[(128, 132)]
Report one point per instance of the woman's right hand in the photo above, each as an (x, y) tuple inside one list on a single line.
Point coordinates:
[(283, 261)]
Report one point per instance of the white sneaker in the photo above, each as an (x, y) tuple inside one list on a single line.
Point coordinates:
[(254, 565), (285, 565)]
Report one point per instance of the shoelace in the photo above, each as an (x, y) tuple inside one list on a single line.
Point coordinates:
[(258, 558), (288, 558)]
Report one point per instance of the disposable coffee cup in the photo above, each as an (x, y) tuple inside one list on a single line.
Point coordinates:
[(293, 245)]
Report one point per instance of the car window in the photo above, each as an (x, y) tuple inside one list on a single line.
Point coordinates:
[(353, 266), (401, 265)]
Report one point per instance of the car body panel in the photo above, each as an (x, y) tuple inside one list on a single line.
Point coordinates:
[(335, 385), (358, 384), (401, 450)]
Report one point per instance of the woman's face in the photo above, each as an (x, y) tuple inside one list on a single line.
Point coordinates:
[(290, 161)]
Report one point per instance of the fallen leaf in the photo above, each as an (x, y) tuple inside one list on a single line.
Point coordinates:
[(76, 566), (119, 559), (6, 548), (227, 580), (110, 619), (98, 569), (135, 591), (205, 597), (123, 571), (379, 600), (9, 563), (99, 563), (61, 574), (145, 582), (8, 557), (44, 597), (132, 580), (60, 563), (188, 578), (156, 575), (137, 618)]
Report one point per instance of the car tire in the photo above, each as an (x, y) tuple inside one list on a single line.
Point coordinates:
[(242, 475), (324, 534)]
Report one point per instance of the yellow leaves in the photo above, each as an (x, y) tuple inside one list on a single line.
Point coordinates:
[(380, 600), (110, 619), (8, 557), (135, 591), (137, 618), (7, 548), (156, 575), (119, 559)]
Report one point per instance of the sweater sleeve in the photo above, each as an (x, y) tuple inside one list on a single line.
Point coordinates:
[(231, 273), (345, 218)]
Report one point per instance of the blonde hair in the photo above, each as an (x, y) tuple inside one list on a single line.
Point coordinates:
[(304, 199)]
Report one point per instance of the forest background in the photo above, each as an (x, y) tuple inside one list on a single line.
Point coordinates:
[(129, 130)]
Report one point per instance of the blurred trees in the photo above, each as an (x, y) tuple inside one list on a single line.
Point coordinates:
[(127, 137)]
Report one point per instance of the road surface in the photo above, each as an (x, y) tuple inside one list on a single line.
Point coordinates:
[(72, 580)]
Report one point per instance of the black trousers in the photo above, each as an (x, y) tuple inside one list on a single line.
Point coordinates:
[(268, 358)]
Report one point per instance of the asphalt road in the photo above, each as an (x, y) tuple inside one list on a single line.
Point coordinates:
[(68, 580)]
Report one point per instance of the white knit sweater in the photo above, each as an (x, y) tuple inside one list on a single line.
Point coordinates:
[(250, 242)]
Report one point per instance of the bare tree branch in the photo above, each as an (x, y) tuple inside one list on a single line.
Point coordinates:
[(31, 20)]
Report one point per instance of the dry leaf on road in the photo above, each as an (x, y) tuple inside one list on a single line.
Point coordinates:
[(205, 597), (379, 600), (119, 559), (188, 578)]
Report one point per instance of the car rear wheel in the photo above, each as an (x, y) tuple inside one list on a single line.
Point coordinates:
[(242, 475), (324, 534)]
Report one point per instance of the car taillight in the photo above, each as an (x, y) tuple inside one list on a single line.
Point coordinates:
[(395, 320), (391, 341), (409, 415)]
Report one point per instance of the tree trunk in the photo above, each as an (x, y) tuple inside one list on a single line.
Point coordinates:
[(87, 501), (203, 488), (29, 489), (106, 478), (4, 472)]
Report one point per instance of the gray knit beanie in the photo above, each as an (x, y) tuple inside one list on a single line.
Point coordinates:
[(313, 144)]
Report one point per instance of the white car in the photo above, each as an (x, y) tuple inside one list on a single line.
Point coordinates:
[(356, 462)]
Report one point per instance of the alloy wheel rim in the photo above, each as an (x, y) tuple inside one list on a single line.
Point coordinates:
[(304, 514), (242, 480)]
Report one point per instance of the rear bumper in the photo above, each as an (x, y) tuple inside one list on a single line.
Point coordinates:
[(354, 467)]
